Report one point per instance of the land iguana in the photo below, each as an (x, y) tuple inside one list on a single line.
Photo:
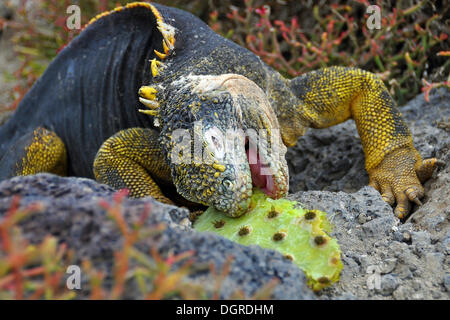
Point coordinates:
[(81, 117)]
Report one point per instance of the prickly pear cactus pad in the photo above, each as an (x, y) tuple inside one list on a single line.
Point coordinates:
[(301, 235)]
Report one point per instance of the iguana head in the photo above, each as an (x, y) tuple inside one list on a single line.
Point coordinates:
[(221, 138)]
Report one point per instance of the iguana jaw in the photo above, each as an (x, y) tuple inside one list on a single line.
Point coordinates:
[(264, 148), (267, 162), (232, 108)]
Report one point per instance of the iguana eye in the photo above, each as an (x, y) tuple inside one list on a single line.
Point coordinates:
[(227, 183), (214, 138)]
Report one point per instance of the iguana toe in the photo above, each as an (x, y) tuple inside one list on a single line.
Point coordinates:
[(387, 195), (427, 167), (414, 193), (403, 206)]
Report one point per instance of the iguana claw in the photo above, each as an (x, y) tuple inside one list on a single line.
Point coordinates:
[(399, 178)]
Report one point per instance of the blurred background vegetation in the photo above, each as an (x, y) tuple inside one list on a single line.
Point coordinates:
[(410, 51)]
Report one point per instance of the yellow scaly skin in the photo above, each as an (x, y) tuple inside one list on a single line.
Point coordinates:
[(125, 159), (39, 151), (333, 95)]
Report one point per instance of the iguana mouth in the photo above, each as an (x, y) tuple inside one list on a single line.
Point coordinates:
[(259, 169)]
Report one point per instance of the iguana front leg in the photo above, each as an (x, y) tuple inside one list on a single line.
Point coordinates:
[(131, 159), (332, 95)]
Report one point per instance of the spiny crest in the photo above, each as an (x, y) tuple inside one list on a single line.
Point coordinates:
[(167, 31), (148, 94)]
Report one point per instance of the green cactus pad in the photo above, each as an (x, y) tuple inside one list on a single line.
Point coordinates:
[(300, 235)]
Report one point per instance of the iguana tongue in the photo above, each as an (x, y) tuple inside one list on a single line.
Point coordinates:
[(265, 182)]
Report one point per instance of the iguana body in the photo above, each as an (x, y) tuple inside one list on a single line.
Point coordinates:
[(81, 117)]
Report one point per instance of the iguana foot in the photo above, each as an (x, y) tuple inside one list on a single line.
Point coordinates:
[(399, 178), (131, 159)]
